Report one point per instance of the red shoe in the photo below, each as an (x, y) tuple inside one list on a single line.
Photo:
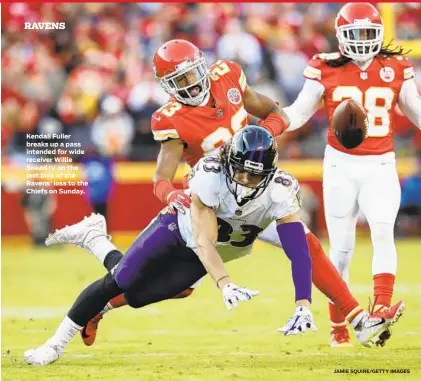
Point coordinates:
[(88, 332), (375, 327), (340, 337), (391, 315)]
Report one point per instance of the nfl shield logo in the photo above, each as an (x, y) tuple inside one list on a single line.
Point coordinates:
[(364, 75), (238, 212)]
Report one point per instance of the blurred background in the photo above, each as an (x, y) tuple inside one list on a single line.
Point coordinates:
[(94, 80)]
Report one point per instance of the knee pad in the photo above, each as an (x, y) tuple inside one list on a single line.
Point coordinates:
[(383, 240), (341, 259), (138, 297), (382, 230), (109, 285), (132, 300)]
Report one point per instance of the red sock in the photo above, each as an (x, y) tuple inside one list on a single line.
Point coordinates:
[(383, 289), (337, 318), (327, 279)]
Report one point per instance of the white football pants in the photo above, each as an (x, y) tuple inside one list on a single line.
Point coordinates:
[(371, 184)]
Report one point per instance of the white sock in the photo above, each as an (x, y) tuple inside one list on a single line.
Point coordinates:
[(64, 333), (100, 247), (357, 319), (107, 308)]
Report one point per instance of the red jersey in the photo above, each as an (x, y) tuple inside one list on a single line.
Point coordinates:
[(203, 129), (377, 88)]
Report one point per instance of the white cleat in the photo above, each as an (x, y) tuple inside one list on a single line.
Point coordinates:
[(375, 327), (81, 234), (43, 355)]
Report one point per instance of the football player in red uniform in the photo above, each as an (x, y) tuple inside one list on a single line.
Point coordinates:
[(208, 106), (362, 177)]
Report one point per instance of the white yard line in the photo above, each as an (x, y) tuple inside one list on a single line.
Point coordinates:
[(222, 354)]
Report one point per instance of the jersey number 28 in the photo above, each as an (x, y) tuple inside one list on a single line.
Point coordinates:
[(376, 100)]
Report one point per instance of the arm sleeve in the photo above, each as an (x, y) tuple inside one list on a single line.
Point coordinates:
[(410, 102), (306, 104), (294, 243)]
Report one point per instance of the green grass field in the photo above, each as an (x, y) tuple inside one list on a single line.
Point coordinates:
[(197, 339)]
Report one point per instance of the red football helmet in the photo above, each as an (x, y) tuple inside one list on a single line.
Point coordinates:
[(182, 71), (360, 31)]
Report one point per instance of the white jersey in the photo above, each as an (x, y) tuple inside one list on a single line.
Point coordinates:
[(239, 226)]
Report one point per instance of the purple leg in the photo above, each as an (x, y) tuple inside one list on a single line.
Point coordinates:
[(157, 251)]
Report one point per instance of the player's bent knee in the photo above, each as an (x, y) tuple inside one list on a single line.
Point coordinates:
[(341, 259), (133, 300), (382, 231), (109, 285)]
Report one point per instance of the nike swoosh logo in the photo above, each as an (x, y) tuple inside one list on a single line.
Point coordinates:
[(379, 323), (158, 118)]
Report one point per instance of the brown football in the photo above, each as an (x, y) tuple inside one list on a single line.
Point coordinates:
[(350, 123)]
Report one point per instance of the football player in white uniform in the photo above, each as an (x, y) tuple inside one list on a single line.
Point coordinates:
[(360, 177), (234, 197)]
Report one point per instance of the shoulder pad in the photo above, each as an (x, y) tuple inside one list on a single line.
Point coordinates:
[(401, 65), (205, 180), (161, 125), (285, 184), (285, 195), (317, 65), (230, 68), (326, 56)]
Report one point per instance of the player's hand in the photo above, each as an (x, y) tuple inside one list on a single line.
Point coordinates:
[(233, 294), (178, 200), (299, 322)]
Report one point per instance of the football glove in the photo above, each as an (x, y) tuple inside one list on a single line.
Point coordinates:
[(299, 322), (178, 200), (232, 294)]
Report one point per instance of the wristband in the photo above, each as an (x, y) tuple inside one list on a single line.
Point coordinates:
[(254, 120), (275, 124), (217, 282), (161, 189)]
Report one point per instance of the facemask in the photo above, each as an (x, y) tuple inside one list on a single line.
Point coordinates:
[(243, 192)]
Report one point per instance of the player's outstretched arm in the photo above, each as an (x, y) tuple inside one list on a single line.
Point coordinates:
[(410, 102), (305, 106), (205, 232), (168, 159), (292, 236), (276, 120)]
